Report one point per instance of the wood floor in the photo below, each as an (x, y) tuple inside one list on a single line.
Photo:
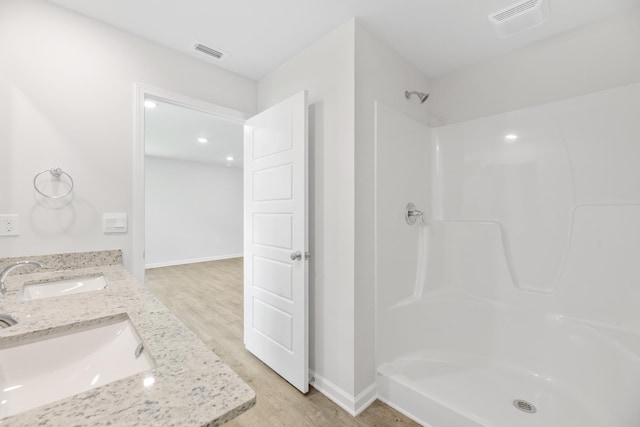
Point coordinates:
[(207, 297)]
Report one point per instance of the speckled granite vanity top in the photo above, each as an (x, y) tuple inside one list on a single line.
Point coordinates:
[(191, 387)]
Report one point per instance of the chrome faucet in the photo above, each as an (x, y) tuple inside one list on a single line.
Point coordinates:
[(411, 214), (8, 269)]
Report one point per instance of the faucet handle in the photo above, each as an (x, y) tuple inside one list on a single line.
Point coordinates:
[(411, 214)]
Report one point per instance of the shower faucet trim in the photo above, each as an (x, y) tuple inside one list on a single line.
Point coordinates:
[(412, 214)]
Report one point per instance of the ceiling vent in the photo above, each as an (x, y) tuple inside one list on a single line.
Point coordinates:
[(209, 51), (519, 17)]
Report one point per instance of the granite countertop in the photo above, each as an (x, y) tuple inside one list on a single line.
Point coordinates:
[(192, 386)]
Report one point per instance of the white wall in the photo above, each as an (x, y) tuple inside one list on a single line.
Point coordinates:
[(326, 70), (594, 57), (382, 75), (345, 73), (66, 99), (193, 212)]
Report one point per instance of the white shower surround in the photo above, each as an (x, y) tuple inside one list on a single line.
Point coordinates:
[(529, 283)]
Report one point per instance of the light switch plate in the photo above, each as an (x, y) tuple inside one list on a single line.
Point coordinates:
[(114, 222), (9, 225)]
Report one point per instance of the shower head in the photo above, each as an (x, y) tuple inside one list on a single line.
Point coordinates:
[(421, 96)]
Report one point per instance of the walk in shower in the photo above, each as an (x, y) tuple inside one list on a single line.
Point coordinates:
[(516, 302)]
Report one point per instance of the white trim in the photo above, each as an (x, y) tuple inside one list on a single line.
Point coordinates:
[(192, 261), (137, 215), (140, 92), (353, 405), (376, 237), (365, 398)]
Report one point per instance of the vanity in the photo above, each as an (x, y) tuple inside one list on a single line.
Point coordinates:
[(93, 347)]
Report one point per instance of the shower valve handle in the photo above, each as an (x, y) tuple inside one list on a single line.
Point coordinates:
[(411, 214)]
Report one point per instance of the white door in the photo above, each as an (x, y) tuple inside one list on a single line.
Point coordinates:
[(275, 239)]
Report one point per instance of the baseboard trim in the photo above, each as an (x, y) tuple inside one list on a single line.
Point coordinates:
[(365, 398), (354, 405), (192, 261)]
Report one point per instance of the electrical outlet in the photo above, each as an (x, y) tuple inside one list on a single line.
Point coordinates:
[(9, 225)]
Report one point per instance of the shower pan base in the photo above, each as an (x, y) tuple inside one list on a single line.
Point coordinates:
[(451, 392)]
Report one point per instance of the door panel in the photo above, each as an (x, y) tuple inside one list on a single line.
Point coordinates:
[(273, 139), (275, 230), (273, 276), (273, 323), (274, 183), (276, 277)]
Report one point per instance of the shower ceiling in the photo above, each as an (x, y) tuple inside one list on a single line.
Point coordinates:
[(437, 36)]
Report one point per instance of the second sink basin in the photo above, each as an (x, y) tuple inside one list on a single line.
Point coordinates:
[(66, 362), (61, 287)]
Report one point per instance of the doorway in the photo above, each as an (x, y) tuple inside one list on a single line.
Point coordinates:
[(193, 186), (186, 176), (274, 218)]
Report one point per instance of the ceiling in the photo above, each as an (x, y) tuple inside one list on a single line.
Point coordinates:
[(171, 132), (437, 36)]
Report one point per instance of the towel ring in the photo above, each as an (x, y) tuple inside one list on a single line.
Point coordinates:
[(56, 173)]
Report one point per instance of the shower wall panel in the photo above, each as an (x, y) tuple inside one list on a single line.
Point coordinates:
[(536, 209), (402, 171), (513, 169), (561, 185)]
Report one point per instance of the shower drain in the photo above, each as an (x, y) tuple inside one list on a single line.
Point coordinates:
[(525, 406)]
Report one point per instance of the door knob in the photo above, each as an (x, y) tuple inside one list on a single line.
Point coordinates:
[(296, 256)]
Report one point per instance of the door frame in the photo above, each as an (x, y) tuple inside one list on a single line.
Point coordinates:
[(142, 91)]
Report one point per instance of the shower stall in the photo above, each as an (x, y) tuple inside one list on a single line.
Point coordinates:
[(514, 300)]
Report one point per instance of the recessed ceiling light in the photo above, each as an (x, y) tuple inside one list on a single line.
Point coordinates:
[(150, 104), (202, 140), (511, 137), (229, 158)]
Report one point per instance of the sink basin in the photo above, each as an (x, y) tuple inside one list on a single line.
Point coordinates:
[(60, 364), (61, 287)]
